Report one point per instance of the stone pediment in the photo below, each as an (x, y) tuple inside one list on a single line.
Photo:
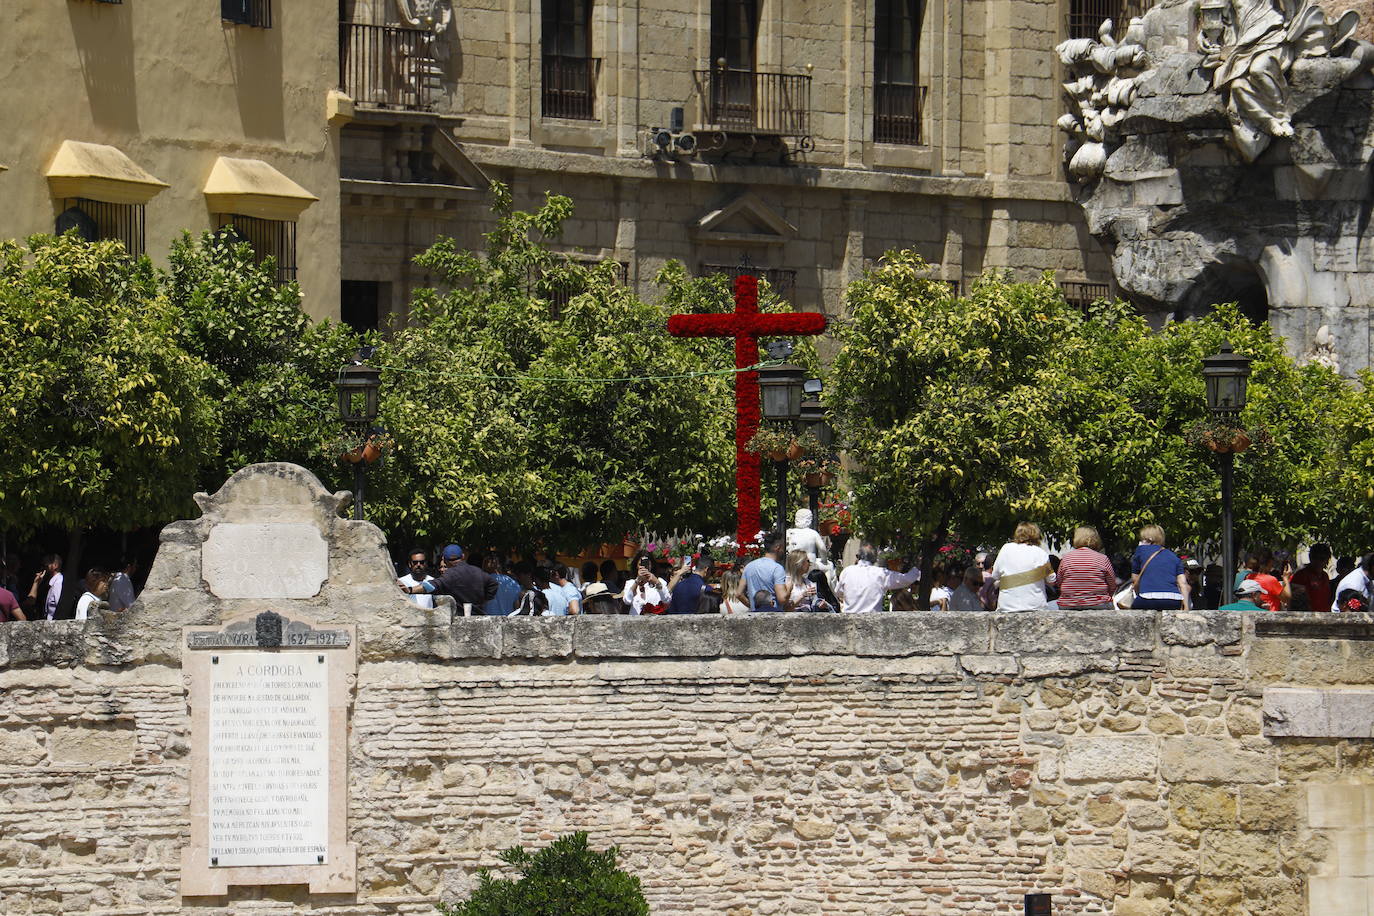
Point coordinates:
[(743, 221)]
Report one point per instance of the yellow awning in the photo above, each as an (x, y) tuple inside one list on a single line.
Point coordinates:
[(99, 172), (251, 187)]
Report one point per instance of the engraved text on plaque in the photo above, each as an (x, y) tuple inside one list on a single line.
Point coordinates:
[(269, 758)]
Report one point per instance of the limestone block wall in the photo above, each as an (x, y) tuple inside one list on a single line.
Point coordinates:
[(912, 764), (983, 188)]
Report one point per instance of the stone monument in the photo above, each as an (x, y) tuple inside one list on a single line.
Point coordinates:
[(1221, 151), (261, 595)]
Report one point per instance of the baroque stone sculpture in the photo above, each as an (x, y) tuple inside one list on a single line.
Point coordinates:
[(1222, 151)]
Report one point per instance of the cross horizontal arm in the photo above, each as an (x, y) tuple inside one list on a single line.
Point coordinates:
[(734, 325)]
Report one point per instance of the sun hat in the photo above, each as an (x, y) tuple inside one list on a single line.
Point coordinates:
[(596, 588)]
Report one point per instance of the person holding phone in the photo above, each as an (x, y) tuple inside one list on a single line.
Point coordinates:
[(646, 593), (687, 586), (1275, 591)]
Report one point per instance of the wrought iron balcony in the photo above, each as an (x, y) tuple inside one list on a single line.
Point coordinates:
[(747, 102), (384, 66), (570, 87), (898, 110)]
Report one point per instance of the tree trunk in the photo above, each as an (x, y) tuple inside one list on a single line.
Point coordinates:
[(930, 548), (71, 574)]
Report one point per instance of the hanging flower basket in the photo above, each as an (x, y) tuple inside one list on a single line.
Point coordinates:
[(352, 456), (830, 527), (372, 451), (1226, 440)]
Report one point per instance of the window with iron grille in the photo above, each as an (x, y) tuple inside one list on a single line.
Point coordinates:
[(257, 13), (781, 280), (269, 238), (94, 220), (559, 290), (1082, 295), (897, 96), (1086, 16), (569, 70)]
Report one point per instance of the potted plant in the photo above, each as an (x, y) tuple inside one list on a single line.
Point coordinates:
[(771, 441), (1225, 438), (817, 469)]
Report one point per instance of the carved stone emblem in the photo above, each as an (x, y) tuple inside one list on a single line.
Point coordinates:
[(268, 627)]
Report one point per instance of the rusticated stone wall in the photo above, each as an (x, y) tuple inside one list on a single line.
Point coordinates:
[(1126, 763)]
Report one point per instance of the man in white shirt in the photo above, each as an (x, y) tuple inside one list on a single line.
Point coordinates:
[(1360, 579), (416, 574), (864, 585)]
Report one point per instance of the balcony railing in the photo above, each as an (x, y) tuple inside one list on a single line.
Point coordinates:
[(570, 87), (749, 102), (897, 113), (386, 66)]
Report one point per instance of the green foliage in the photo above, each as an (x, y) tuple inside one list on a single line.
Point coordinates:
[(954, 408), (104, 418), (494, 446), (972, 413), (564, 879), (272, 370)]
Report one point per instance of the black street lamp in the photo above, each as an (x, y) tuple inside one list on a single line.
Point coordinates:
[(357, 386), (1226, 374), (813, 420), (781, 387)]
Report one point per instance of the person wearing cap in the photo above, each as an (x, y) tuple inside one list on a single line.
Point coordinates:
[(470, 587), (1249, 595)]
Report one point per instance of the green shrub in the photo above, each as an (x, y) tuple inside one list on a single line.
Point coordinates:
[(564, 879)]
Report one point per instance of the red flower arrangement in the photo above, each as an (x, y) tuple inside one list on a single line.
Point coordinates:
[(745, 324)]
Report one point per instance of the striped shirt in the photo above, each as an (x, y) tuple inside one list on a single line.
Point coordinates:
[(1085, 579)]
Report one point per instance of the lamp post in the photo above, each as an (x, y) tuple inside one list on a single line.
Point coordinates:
[(781, 387), (1227, 374), (813, 420), (357, 387)]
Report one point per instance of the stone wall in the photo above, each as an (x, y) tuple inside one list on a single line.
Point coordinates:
[(888, 764)]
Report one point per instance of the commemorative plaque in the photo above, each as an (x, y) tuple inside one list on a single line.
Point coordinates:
[(269, 715)]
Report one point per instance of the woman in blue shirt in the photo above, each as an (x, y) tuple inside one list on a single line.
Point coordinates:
[(1159, 576)]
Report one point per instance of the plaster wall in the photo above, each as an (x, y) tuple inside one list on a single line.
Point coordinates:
[(1125, 763), (170, 85)]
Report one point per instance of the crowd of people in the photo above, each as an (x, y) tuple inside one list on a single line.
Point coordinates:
[(1021, 576), (53, 595)]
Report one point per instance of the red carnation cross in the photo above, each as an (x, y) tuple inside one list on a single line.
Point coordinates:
[(746, 325)]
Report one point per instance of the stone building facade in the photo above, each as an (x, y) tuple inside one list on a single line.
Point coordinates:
[(138, 119), (1128, 763), (833, 132)]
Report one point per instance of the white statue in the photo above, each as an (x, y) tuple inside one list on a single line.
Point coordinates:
[(1250, 62), (804, 537), (1106, 75)]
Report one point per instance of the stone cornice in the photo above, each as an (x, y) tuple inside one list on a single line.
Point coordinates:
[(530, 159)]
